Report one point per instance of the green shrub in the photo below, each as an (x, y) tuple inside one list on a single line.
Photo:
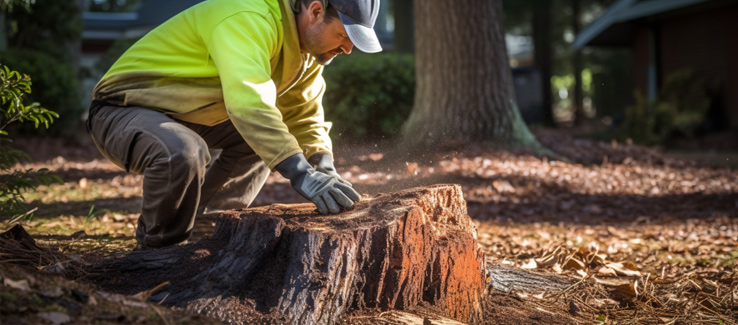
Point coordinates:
[(369, 95), (681, 107), (40, 35), (55, 83), (13, 182)]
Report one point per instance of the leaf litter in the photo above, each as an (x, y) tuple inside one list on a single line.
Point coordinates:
[(646, 237)]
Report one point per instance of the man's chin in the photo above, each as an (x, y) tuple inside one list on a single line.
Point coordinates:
[(324, 59)]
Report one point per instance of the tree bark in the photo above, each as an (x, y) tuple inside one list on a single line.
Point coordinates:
[(404, 17), (544, 54), (396, 251), (464, 83), (578, 101), (3, 37)]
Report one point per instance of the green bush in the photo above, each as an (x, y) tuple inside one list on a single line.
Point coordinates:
[(681, 107), (14, 182), (55, 83), (369, 95), (39, 40)]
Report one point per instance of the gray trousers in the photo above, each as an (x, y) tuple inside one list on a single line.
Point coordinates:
[(180, 182)]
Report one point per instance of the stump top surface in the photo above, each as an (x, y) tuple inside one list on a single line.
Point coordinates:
[(443, 202)]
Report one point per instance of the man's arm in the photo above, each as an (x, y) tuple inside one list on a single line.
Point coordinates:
[(303, 112), (241, 47)]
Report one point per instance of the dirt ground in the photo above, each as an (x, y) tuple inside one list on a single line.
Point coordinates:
[(646, 237)]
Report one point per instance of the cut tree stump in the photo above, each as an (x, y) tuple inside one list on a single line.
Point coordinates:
[(395, 251)]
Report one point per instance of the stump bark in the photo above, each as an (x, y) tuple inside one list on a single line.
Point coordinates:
[(394, 251)]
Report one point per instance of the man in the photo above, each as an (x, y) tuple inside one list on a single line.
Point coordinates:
[(240, 76)]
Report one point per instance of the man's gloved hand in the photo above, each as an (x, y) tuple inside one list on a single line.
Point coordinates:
[(323, 163), (325, 191)]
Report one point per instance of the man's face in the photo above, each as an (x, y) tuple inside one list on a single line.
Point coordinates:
[(326, 40)]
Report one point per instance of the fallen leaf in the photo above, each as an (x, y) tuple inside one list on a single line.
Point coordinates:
[(56, 318), (606, 271), (626, 269), (411, 168), (503, 186), (376, 156), (573, 263), (629, 289), (21, 285), (611, 282), (530, 265), (605, 303)]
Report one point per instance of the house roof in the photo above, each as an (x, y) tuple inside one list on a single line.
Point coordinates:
[(151, 13), (614, 27), (154, 12)]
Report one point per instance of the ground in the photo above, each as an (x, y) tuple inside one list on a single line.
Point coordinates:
[(645, 236)]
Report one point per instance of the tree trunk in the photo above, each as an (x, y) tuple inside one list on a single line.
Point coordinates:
[(578, 101), (404, 17), (464, 82), (544, 54), (3, 36), (391, 252)]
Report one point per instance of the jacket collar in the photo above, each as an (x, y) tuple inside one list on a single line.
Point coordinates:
[(292, 59)]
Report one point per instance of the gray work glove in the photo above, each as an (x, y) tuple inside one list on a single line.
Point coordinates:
[(323, 163), (327, 193)]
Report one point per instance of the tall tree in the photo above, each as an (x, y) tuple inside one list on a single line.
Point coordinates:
[(402, 10), (7, 5), (464, 89), (578, 102), (543, 44)]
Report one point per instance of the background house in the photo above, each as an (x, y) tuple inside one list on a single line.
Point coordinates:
[(668, 36)]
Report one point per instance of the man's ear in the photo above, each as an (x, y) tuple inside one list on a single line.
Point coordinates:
[(315, 11)]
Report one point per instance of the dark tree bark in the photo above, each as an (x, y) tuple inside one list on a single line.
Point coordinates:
[(404, 41), (578, 101), (392, 252), (464, 83), (543, 44)]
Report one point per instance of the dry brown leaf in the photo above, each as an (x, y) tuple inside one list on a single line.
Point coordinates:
[(557, 268), (503, 186), (629, 289), (611, 282), (546, 260), (55, 318), (573, 264), (597, 259), (530, 265), (606, 271), (626, 269), (581, 273), (605, 303), (21, 285)]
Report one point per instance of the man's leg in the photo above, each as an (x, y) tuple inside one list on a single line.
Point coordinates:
[(172, 159), (236, 176)]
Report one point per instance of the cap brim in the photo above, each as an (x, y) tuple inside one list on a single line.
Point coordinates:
[(364, 38)]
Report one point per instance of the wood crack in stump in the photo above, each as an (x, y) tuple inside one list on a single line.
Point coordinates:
[(395, 251)]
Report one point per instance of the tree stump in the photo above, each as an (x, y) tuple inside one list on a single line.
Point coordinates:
[(395, 251)]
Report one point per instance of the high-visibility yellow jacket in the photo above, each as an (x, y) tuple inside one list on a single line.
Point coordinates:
[(229, 59)]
